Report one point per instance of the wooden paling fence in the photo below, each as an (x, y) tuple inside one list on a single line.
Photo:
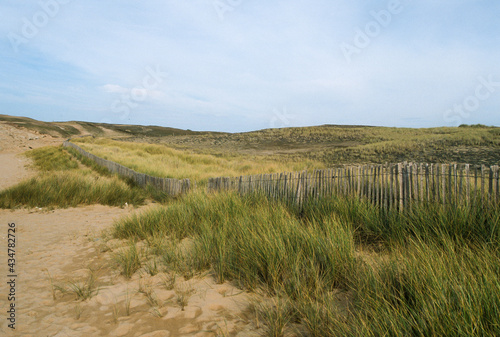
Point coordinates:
[(388, 186), (172, 187)]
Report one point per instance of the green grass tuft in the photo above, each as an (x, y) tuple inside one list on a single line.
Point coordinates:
[(129, 260), (428, 290)]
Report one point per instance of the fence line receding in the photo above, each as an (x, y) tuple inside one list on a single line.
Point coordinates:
[(388, 186), (170, 186)]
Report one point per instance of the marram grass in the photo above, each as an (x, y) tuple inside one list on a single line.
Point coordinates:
[(431, 273), (70, 189), (250, 239), (427, 290), (52, 158), (62, 183)]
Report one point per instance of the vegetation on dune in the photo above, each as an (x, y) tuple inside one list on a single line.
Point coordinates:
[(327, 144), (147, 131), (71, 129), (92, 128), (337, 266), (70, 189), (52, 159), (258, 242), (333, 145), (200, 157), (428, 289), (340, 267), (54, 129), (61, 183), (474, 223)]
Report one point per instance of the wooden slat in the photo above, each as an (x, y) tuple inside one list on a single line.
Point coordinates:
[(466, 182), (391, 186), (483, 182), (491, 189)]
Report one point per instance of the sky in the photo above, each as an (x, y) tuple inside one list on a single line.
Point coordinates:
[(242, 65)]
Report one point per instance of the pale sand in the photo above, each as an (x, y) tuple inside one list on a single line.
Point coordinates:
[(13, 168), (14, 141), (66, 244)]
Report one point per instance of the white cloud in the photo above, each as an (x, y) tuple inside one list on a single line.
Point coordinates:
[(115, 89)]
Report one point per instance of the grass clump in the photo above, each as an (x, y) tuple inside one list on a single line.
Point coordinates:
[(255, 241), (70, 189), (52, 158), (129, 260), (183, 292), (276, 316), (151, 267), (84, 290), (428, 222), (427, 290)]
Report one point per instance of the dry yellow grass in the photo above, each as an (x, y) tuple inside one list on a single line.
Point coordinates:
[(163, 161)]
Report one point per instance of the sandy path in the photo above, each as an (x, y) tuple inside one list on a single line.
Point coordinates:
[(66, 244), (13, 142), (52, 241), (13, 168)]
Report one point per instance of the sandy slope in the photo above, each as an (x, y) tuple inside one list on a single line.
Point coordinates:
[(57, 247), (14, 141)]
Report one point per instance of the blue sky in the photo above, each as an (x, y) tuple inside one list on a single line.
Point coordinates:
[(241, 65)]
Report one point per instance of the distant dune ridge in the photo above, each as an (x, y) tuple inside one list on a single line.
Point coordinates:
[(475, 144)]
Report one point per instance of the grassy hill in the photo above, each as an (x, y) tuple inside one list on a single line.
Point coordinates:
[(334, 145)]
